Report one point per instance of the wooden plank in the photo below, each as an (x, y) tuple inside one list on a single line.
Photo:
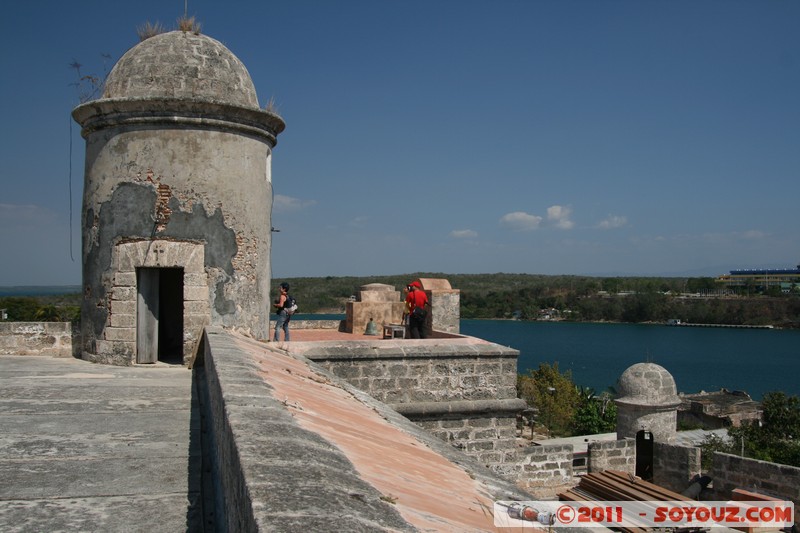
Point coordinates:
[(741, 495), (657, 492)]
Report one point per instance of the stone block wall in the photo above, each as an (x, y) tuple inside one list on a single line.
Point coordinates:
[(445, 303), (612, 455), (489, 437), (675, 465), (115, 342), (546, 470), (52, 339), (461, 390), (733, 472)]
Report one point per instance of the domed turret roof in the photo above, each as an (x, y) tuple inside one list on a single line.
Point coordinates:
[(181, 65), (647, 384)]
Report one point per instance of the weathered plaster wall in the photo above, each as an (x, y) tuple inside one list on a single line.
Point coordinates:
[(183, 185)]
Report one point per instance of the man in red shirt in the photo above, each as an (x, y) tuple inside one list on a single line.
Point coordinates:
[(416, 304)]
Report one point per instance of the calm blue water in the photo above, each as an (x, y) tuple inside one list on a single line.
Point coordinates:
[(753, 360)]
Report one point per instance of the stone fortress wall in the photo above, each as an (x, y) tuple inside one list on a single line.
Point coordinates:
[(36, 338), (462, 392), (483, 428)]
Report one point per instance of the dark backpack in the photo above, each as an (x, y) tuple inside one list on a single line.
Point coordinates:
[(290, 305)]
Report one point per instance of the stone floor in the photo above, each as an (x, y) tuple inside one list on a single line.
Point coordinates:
[(87, 447)]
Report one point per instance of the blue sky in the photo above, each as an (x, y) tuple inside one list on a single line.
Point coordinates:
[(551, 137)]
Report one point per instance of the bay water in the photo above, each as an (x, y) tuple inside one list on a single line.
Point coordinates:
[(756, 361)]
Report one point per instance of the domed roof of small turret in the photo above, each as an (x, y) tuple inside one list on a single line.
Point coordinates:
[(181, 65), (647, 384)]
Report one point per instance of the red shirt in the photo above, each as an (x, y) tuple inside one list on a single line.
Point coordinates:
[(416, 298)]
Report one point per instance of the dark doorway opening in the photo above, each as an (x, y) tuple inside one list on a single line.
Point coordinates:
[(159, 315), (644, 455)]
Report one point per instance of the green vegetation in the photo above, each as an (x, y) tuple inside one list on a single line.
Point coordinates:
[(525, 297), (562, 408), (46, 308), (777, 440), (575, 298)]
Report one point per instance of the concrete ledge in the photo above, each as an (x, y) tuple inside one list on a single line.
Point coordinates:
[(272, 474), (338, 325), (402, 349), (464, 407)]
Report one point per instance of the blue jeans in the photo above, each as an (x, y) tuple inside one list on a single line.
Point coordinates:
[(282, 323)]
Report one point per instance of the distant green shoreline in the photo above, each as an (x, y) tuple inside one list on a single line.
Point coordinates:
[(39, 290)]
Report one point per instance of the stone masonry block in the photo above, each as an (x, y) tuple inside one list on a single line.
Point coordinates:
[(422, 395), (127, 307), (417, 370), (480, 446), (198, 307), (481, 422), (115, 347), (195, 293), (347, 372), (397, 370), (195, 279), (125, 279), (485, 434), (123, 293), (121, 334), (122, 320)]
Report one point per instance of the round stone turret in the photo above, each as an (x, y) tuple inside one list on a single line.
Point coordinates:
[(648, 400), (177, 202)]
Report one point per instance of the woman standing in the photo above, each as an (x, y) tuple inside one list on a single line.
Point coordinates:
[(283, 314)]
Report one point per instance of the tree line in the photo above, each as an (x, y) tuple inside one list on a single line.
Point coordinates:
[(574, 298), (42, 308), (514, 296)]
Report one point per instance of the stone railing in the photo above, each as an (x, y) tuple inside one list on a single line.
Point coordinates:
[(36, 338)]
